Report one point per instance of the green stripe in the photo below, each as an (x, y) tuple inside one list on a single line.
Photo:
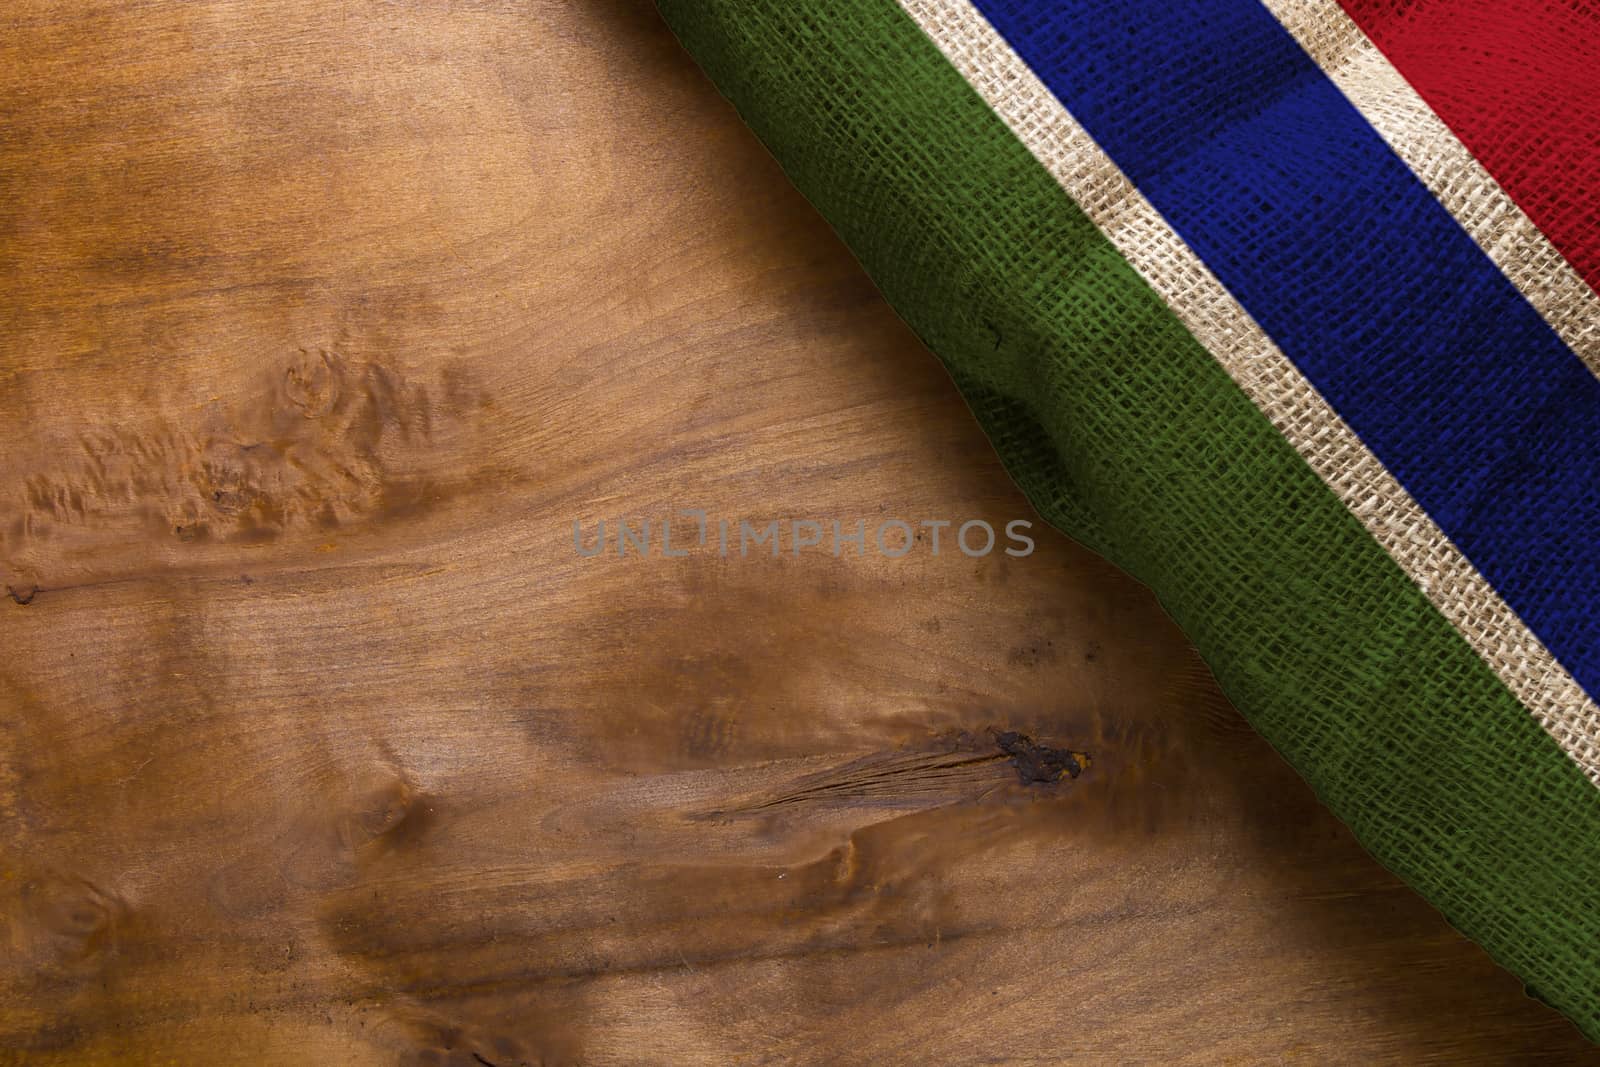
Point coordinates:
[(1126, 433)]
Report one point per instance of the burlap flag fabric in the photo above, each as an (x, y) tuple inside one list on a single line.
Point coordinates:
[(1288, 308)]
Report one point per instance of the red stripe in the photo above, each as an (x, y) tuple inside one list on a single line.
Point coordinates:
[(1519, 83)]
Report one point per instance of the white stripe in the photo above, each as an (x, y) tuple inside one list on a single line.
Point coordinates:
[(1266, 375), (1449, 170)]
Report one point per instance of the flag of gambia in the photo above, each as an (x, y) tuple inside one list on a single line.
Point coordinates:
[(1288, 307)]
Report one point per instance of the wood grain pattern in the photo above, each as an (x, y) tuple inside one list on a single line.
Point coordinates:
[(321, 323)]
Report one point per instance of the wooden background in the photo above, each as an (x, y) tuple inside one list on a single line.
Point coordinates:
[(321, 322)]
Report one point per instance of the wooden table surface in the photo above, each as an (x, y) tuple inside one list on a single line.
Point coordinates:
[(321, 323)]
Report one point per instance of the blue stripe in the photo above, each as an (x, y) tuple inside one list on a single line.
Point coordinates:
[(1364, 281)]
